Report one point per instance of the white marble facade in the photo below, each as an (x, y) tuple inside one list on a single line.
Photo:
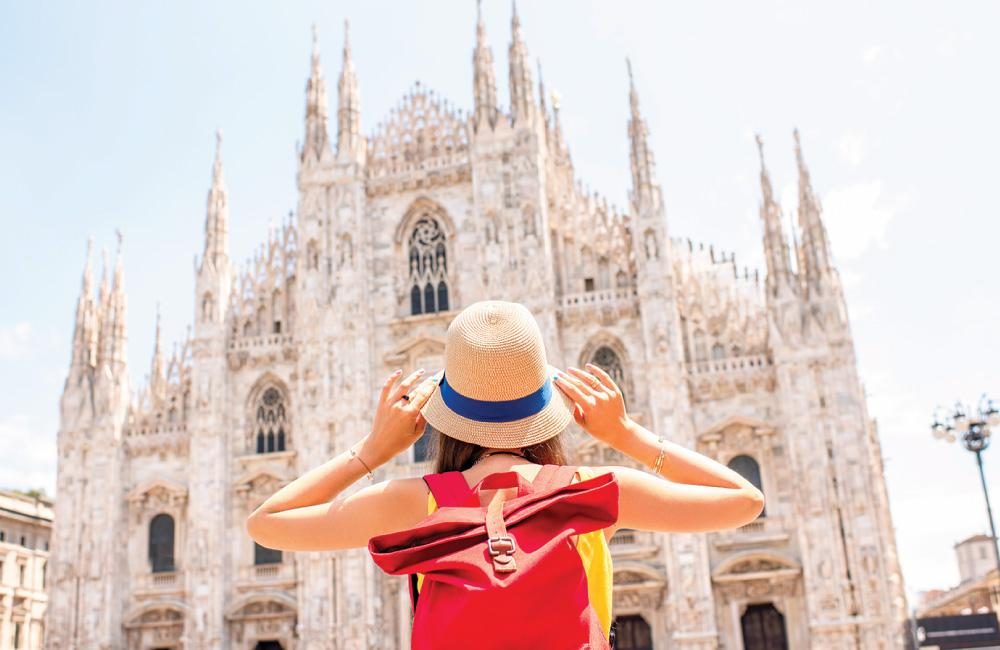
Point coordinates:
[(433, 210)]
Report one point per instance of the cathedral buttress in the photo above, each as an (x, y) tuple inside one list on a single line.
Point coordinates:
[(849, 559), (662, 371), (95, 404)]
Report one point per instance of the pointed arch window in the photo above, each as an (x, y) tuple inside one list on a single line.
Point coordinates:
[(161, 543), (428, 257), (270, 421), (749, 469), (608, 360)]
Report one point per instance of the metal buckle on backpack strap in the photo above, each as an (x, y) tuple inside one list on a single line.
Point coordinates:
[(503, 560), (505, 540)]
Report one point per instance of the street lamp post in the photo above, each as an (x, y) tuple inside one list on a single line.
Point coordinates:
[(975, 435)]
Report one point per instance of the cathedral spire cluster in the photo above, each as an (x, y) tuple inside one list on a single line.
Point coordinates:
[(317, 140), (814, 267), (100, 331)]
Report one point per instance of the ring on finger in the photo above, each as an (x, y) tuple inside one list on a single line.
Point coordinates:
[(406, 397)]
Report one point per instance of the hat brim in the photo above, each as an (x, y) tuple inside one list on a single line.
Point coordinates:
[(548, 422)]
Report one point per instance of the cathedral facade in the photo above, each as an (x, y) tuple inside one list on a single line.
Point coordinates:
[(394, 233)]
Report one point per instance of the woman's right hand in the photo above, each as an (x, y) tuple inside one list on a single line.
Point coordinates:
[(600, 405)]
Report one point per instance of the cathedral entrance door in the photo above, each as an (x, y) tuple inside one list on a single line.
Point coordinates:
[(268, 645), (763, 628), (632, 633)]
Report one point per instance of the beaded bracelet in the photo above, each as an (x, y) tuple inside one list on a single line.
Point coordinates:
[(659, 459), (371, 477)]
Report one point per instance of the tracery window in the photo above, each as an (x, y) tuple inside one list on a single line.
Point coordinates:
[(161, 543), (428, 267), (749, 469), (608, 360), (271, 421)]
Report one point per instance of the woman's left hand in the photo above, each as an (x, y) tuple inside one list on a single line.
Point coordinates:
[(398, 422)]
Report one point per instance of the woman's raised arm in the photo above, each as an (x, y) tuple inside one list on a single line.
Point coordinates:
[(693, 493)]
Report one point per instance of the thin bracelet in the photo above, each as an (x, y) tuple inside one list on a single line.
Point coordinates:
[(659, 459), (371, 477)]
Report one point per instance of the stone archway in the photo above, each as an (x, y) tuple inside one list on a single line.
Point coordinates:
[(155, 625), (263, 620)]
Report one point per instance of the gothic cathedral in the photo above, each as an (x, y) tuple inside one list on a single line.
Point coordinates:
[(394, 233)]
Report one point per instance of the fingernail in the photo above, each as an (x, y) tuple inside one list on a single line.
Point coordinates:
[(420, 371)]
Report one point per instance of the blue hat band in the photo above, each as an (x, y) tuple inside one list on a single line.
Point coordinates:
[(500, 411)]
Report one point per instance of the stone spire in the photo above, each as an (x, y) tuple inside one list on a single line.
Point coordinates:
[(484, 82), (85, 331), (216, 253), (103, 295), (643, 166), (157, 377), (317, 141), (557, 144), (815, 253), (350, 143), (775, 244), (114, 334), (522, 101)]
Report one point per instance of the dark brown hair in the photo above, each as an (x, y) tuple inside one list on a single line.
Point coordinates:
[(451, 454)]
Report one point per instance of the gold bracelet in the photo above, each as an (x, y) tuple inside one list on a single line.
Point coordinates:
[(659, 459), (354, 454)]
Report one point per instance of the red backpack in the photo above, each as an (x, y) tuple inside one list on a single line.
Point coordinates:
[(505, 575)]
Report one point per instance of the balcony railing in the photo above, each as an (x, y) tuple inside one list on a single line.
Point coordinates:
[(766, 530), (599, 297), (268, 573), (161, 581), (728, 364)]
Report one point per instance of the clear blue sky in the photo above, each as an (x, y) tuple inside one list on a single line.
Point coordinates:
[(109, 110)]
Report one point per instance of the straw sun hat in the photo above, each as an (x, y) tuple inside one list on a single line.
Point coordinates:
[(496, 389)]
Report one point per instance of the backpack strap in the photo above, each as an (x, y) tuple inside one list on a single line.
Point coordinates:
[(556, 476), (450, 489)]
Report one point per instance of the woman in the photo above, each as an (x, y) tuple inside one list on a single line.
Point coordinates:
[(495, 410)]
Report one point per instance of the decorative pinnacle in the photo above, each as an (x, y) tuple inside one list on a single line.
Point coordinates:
[(347, 35), (798, 150), (760, 149)]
